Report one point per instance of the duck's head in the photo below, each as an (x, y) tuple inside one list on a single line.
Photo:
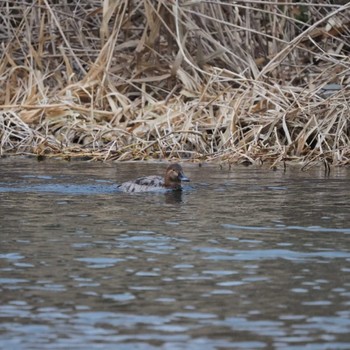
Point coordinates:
[(174, 175)]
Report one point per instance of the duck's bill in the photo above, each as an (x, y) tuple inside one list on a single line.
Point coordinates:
[(184, 178)]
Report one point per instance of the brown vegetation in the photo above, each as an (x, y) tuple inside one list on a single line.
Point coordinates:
[(237, 81)]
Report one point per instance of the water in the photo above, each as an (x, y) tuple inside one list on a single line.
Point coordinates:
[(241, 259)]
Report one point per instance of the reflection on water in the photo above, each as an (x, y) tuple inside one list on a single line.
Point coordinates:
[(242, 259)]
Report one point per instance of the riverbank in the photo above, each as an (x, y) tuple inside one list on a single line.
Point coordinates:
[(144, 81)]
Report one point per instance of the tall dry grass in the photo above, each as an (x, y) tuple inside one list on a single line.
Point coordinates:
[(244, 81)]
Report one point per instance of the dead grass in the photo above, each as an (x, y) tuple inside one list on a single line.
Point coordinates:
[(244, 81)]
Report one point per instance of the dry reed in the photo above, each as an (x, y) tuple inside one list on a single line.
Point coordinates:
[(244, 81)]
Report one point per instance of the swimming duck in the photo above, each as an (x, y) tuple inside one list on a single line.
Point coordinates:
[(171, 181)]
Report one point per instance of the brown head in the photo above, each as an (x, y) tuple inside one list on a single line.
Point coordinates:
[(173, 176)]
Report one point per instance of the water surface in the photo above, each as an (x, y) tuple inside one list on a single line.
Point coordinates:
[(241, 259)]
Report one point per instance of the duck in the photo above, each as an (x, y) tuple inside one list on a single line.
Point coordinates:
[(172, 179)]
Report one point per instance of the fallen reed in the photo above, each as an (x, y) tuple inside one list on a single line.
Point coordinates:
[(244, 81)]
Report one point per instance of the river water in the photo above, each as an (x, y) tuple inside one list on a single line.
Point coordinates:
[(243, 258)]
